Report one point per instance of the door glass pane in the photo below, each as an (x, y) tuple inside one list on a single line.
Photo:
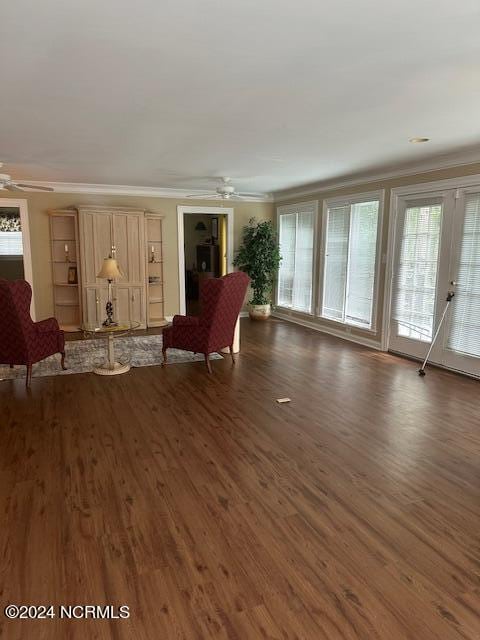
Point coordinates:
[(464, 333), (336, 261), (361, 267), (416, 278)]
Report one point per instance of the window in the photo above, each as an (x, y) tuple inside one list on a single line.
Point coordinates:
[(296, 225), (10, 232), (351, 238)]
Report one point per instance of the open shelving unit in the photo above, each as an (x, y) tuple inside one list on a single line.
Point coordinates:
[(64, 258), (154, 271)]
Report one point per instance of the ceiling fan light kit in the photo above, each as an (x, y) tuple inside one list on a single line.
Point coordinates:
[(226, 191)]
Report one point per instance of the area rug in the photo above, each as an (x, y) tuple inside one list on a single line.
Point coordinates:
[(84, 355)]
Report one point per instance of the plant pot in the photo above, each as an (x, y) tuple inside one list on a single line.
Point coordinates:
[(259, 311)]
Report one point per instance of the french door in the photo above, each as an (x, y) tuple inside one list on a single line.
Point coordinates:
[(437, 242)]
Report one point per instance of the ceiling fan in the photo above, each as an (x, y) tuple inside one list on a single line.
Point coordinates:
[(226, 191), (7, 183)]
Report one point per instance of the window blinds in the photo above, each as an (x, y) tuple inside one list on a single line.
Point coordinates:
[(416, 277), (350, 258), (296, 238), (464, 331), (11, 243)]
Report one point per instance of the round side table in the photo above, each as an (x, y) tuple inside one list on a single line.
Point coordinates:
[(111, 367)]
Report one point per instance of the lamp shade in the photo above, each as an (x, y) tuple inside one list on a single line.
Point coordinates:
[(109, 270), (200, 226)]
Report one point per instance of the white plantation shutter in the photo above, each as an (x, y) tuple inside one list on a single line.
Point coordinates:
[(350, 259), (464, 333), (287, 240), (362, 255), (296, 238), (11, 243), (416, 277), (336, 259)]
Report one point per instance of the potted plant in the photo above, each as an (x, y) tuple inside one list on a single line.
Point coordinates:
[(259, 256)]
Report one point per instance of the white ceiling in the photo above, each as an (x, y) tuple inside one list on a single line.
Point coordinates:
[(273, 93)]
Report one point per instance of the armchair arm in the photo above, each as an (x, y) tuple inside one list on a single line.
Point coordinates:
[(50, 325), (185, 321)]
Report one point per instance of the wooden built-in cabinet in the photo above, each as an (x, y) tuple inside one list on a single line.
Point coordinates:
[(98, 232), (119, 233)]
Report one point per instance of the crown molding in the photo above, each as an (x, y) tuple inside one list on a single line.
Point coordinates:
[(147, 192), (427, 166)]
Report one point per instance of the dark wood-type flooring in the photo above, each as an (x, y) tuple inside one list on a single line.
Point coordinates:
[(215, 513)]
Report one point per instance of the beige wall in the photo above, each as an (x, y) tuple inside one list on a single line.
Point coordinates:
[(39, 203), (387, 185)]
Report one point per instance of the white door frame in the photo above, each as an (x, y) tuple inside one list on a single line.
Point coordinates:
[(181, 210), (22, 205), (396, 194)]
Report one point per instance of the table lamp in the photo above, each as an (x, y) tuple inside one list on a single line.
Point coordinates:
[(109, 271)]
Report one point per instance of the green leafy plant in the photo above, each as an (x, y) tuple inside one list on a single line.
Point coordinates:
[(259, 256)]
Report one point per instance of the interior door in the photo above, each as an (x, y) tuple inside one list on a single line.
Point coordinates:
[(420, 273)]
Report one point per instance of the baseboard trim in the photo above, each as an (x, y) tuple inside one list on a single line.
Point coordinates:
[(366, 342)]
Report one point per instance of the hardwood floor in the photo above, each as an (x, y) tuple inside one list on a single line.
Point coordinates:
[(212, 511)]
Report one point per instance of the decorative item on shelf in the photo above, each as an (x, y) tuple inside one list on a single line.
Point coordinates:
[(200, 226), (154, 280), (72, 275), (67, 255), (110, 271), (152, 254)]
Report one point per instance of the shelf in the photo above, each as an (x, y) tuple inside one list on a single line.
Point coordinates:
[(153, 284), (64, 284), (157, 322), (155, 262), (154, 241), (63, 240), (64, 262), (66, 304), (70, 328), (155, 300)]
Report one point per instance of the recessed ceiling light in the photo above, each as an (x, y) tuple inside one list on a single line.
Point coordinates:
[(418, 140)]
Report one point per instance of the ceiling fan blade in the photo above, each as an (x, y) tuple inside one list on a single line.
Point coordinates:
[(11, 187), (204, 197), (33, 186)]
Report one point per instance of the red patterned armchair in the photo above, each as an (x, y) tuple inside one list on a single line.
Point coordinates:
[(221, 301), (23, 341)]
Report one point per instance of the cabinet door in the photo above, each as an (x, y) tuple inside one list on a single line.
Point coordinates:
[(137, 305), (128, 236), (95, 303), (120, 242), (95, 243), (121, 303), (136, 248)]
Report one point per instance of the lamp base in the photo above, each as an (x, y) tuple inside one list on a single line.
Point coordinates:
[(109, 322)]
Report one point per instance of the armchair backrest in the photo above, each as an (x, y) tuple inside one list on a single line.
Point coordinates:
[(221, 302), (16, 325)]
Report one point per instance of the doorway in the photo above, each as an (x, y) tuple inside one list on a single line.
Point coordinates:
[(15, 257), (437, 243), (205, 250)]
